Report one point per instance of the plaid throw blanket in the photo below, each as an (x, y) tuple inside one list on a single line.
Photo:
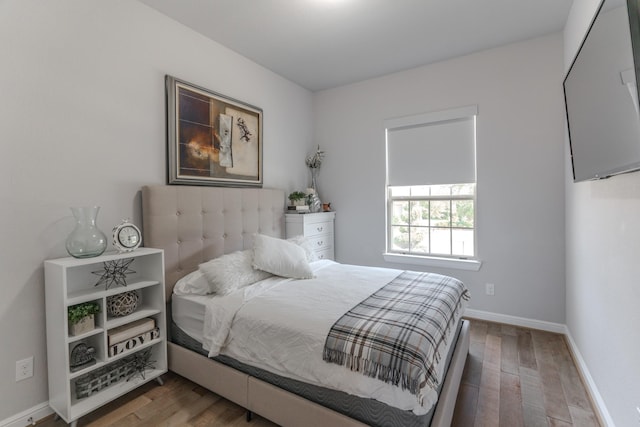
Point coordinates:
[(397, 333)]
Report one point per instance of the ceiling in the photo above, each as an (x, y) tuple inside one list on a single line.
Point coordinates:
[(320, 44)]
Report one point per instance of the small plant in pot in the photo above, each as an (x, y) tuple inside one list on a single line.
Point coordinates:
[(81, 317), (297, 198)]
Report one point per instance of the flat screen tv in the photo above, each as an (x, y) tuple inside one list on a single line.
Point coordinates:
[(601, 94)]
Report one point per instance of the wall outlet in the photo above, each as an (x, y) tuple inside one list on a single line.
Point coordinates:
[(24, 369), (490, 289)]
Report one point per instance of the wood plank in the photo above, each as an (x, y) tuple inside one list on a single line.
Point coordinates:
[(533, 411), (509, 351), (510, 401), (583, 418), (464, 414), (114, 416), (488, 412), (526, 354), (554, 399)]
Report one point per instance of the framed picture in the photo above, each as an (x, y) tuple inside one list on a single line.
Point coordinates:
[(212, 139)]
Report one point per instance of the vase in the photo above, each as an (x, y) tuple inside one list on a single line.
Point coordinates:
[(315, 204), (86, 240)]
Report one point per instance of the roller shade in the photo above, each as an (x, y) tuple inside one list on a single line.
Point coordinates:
[(433, 148)]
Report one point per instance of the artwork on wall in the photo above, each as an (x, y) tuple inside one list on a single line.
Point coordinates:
[(212, 139)]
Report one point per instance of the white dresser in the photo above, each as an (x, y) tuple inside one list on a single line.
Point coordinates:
[(316, 227)]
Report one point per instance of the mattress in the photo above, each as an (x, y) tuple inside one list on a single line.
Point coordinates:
[(189, 313)]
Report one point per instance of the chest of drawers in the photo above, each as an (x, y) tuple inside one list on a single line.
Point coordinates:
[(317, 228)]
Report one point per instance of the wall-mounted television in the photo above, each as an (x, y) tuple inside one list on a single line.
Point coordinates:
[(601, 94)]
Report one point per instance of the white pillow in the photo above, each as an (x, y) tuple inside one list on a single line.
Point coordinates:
[(305, 244), (192, 284), (280, 257), (230, 272)]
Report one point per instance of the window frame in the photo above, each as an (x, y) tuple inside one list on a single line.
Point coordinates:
[(472, 263), (447, 198)]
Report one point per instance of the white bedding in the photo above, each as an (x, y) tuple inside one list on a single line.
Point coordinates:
[(270, 325)]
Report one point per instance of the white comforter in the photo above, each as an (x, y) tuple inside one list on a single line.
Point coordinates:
[(280, 325)]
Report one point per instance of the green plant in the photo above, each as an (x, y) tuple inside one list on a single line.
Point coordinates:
[(77, 312), (297, 195)]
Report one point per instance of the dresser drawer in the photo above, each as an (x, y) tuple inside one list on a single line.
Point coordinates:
[(317, 228), (325, 254), (321, 243)]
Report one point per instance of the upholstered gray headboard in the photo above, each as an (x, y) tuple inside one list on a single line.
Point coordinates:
[(196, 224)]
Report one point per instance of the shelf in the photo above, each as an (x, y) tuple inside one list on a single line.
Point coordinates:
[(85, 295), (71, 281), (74, 338), (140, 313)]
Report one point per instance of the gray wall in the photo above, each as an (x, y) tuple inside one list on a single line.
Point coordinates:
[(520, 207), (82, 122), (603, 290)]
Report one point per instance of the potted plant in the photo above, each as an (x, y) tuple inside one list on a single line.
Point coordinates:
[(297, 198), (82, 317)]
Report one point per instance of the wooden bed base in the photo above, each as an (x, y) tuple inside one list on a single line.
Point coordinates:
[(195, 224)]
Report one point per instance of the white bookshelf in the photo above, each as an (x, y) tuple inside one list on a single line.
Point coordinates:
[(71, 281)]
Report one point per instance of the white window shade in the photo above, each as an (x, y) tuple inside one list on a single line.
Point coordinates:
[(433, 148)]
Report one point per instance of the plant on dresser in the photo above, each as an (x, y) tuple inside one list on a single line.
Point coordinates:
[(123, 349)]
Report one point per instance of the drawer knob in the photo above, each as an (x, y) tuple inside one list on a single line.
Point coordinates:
[(320, 242), (321, 256), (320, 228)]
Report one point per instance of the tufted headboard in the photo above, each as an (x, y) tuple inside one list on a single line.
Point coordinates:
[(196, 224)]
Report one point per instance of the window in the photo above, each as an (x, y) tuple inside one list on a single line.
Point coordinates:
[(431, 184), (432, 220)]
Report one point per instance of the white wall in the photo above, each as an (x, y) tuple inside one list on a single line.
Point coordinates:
[(520, 207), (603, 245), (82, 122)]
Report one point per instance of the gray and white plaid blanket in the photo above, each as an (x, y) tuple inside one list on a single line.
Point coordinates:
[(398, 334)]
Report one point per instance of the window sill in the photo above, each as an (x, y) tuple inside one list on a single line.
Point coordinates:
[(456, 264)]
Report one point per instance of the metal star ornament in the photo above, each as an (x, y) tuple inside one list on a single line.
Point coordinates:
[(114, 272)]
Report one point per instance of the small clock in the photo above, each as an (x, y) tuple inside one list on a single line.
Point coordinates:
[(126, 236)]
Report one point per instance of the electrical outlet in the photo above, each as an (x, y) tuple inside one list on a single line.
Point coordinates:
[(490, 289), (24, 369)]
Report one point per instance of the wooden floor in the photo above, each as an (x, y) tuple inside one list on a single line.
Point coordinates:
[(513, 377)]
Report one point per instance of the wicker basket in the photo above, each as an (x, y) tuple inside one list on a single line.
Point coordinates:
[(122, 304)]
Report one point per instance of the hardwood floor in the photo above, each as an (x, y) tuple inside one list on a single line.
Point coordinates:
[(520, 377), (513, 377)]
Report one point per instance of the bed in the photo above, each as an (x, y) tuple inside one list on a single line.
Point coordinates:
[(196, 224)]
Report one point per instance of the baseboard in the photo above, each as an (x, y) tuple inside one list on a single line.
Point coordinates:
[(601, 409), (516, 321), (30, 416)]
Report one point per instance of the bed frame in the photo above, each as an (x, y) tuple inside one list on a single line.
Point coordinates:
[(195, 224)]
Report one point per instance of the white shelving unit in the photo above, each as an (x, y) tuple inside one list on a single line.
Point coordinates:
[(71, 281), (316, 227)]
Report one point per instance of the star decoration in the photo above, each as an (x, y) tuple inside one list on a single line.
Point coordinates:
[(114, 272), (141, 363)]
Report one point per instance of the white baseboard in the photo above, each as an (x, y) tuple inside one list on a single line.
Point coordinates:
[(601, 409), (29, 416), (516, 321)]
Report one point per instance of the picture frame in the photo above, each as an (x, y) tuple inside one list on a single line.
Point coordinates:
[(212, 139)]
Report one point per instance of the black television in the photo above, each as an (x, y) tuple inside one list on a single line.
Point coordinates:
[(601, 94)]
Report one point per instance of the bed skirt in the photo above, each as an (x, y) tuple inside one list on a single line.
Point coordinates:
[(368, 411)]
